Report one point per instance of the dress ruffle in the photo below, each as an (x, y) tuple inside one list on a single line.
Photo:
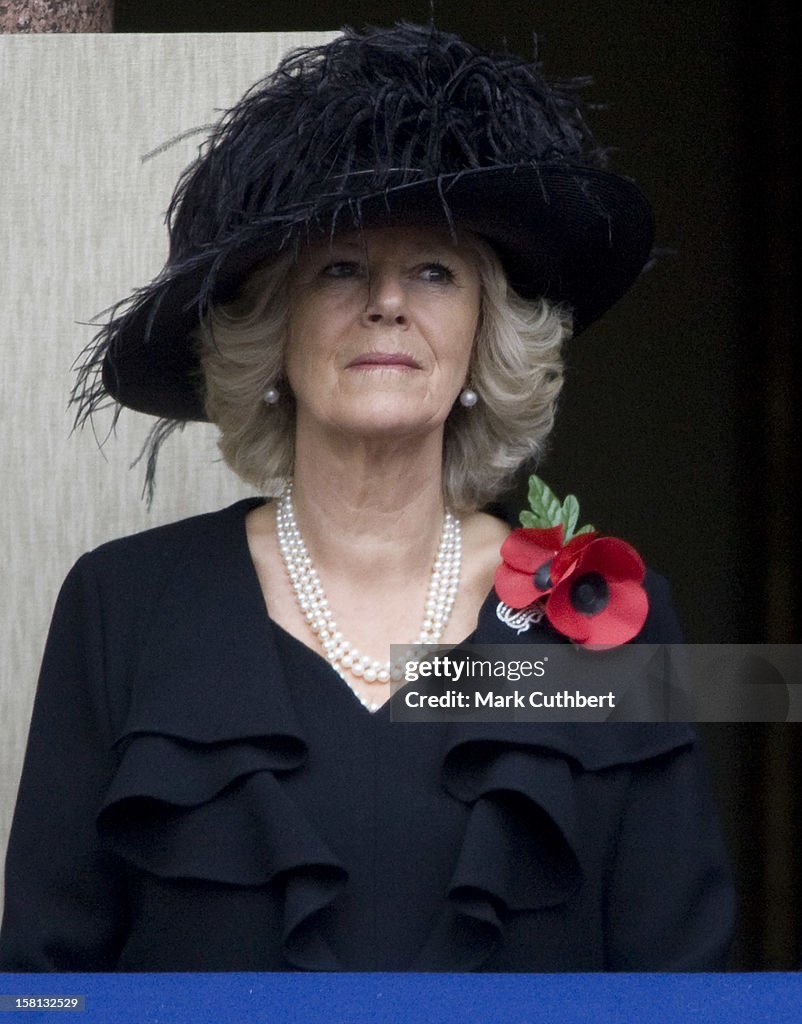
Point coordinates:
[(220, 813), (521, 848), (208, 738), (208, 735)]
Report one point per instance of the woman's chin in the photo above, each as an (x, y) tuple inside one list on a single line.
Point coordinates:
[(390, 428), (389, 422)]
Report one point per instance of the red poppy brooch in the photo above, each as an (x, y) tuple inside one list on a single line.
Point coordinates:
[(590, 588)]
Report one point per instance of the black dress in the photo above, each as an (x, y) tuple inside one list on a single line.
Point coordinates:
[(202, 792)]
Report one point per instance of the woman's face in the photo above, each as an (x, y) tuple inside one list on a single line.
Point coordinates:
[(381, 328)]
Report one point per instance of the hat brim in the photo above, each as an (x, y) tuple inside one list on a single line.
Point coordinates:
[(575, 235)]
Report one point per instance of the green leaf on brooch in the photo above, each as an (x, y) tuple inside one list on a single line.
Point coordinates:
[(546, 511), (545, 505), (570, 516)]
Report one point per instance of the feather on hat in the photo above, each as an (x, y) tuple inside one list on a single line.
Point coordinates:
[(390, 126)]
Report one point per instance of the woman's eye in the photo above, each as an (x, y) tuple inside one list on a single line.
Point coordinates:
[(340, 269), (437, 273)]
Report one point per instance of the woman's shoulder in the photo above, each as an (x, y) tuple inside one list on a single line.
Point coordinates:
[(482, 537), (134, 571), (662, 623), (164, 540)]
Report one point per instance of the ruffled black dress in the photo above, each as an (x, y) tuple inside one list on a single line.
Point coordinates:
[(202, 792)]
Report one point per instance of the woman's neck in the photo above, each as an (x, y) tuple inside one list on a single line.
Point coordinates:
[(374, 507), (372, 520)]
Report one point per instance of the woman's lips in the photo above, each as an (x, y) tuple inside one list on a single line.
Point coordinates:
[(399, 360)]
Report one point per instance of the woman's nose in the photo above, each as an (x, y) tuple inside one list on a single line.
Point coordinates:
[(387, 300)]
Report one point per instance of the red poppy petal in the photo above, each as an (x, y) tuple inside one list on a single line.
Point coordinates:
[(624, 616), (566, 559), (564, 617), (515, 589), (618, 622), (526, 549), (614, 559)]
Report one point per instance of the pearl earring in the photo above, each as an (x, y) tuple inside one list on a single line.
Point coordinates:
[(271, 396), (468, 398)]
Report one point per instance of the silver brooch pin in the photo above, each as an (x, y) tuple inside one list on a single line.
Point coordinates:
[(519, 619)]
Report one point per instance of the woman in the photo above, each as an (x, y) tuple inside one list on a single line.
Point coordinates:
[(373, 266)]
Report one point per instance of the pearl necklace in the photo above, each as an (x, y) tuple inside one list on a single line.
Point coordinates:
[(343, 657)]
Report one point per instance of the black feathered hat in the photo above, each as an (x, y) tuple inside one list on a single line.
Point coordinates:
[(390, 126)]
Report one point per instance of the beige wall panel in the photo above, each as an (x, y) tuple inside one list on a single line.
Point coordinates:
[(81, 226)]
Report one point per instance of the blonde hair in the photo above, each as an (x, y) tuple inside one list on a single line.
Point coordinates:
[(516, 370)]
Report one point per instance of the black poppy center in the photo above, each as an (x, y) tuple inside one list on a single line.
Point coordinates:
[(590, 593), (541, 579)]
